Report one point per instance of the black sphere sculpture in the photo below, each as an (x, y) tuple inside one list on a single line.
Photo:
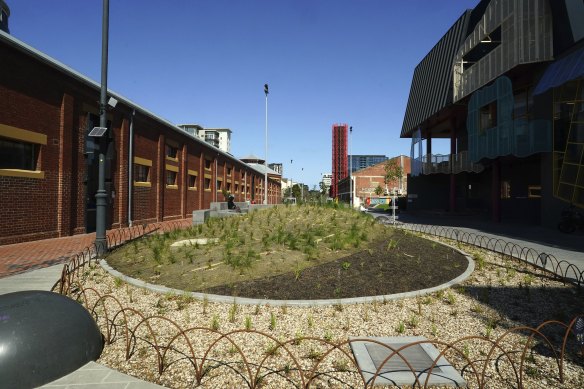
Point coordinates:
[(44, 336)]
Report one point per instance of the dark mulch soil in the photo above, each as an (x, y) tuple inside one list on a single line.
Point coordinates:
[(414, 264)]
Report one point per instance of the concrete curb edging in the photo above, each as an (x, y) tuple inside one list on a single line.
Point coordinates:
[(292, 303)]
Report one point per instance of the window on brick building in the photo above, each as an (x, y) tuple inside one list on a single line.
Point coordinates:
[(20, 152), (229, 171), (141, 173), (171, 152), (219, 185), (18, 155), (192, 181), (208, 163), (207, 183), (171, 178), (142, 167)]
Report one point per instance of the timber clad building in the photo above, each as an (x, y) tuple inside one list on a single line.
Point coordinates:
[(506, 85), (48, 164)]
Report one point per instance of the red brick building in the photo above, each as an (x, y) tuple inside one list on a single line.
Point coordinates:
[(48, 163), (366, 180)]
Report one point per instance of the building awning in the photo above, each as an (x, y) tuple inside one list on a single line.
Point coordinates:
[(563, 70)]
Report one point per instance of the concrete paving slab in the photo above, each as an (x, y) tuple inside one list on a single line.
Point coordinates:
[(40, 279), (96, 376)]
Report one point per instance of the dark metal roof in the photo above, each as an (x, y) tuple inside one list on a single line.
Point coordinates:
[(431, 88), (564, 69)]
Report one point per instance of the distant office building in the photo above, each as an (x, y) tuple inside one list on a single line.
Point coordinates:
[(218, 137), (277, 167), (340, 164), (359, 162), (4, 14)]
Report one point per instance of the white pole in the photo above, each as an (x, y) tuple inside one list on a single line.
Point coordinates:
[(302, 185), (266, 173)]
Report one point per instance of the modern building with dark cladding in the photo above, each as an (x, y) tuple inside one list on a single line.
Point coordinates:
[(154, 171), (506, 85)]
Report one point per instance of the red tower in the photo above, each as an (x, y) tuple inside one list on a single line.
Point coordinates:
[(340, 157)]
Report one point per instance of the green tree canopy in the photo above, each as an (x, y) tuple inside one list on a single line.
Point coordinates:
[(378, 190), (393, 171)]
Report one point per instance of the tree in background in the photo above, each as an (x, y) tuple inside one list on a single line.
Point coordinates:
[(378, 190), (393, 172), (296, 191), (323, 189)]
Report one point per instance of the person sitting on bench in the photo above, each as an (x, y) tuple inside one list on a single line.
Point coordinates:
[(231, 204)]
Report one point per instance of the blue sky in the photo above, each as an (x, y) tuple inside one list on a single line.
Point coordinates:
[(205, 62)]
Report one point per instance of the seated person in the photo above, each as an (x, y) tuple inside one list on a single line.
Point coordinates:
[(231, 204)]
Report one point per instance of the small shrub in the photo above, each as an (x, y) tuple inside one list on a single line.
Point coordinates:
[(314, 354), (232, 312), (479, 260), (345, 265), (328, 336), (401, 327), (118, 282), (392, 244), (272, 349), (248, 323), (341, 365), (215, 323), (272, 325)]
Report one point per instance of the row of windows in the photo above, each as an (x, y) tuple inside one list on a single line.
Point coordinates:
[(142, 178), (20, 149)]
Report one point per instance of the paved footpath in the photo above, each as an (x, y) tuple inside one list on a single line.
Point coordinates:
[(37, 266), (564, 247)]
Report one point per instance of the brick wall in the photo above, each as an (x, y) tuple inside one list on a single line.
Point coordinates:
[(37, 97)]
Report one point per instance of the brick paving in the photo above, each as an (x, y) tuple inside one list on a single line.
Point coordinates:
[(22, 257)]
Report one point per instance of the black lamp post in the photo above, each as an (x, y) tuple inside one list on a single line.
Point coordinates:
[(101, 195)]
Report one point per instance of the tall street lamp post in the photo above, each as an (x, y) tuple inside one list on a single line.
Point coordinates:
[(266, 173), (101, 195), (350, 169)]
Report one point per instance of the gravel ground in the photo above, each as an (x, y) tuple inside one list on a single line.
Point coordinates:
[(501, 294)]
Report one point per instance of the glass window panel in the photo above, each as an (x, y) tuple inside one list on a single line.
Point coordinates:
[(580, 181), (579, 112), (573, 153), (141, 173), (170, 177), (579, 197), (192, 181), (577, 133), (171, 151), (565, 192), (569, 173), (17, 155)]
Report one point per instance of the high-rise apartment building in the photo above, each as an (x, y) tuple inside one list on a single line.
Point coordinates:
[(340, 161), (218, 137), (359, 162)]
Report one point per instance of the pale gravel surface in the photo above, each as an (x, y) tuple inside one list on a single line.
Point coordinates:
[(504, 294)]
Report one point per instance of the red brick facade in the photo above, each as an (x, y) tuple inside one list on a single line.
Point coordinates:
[(366, 180), (39, 97)]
